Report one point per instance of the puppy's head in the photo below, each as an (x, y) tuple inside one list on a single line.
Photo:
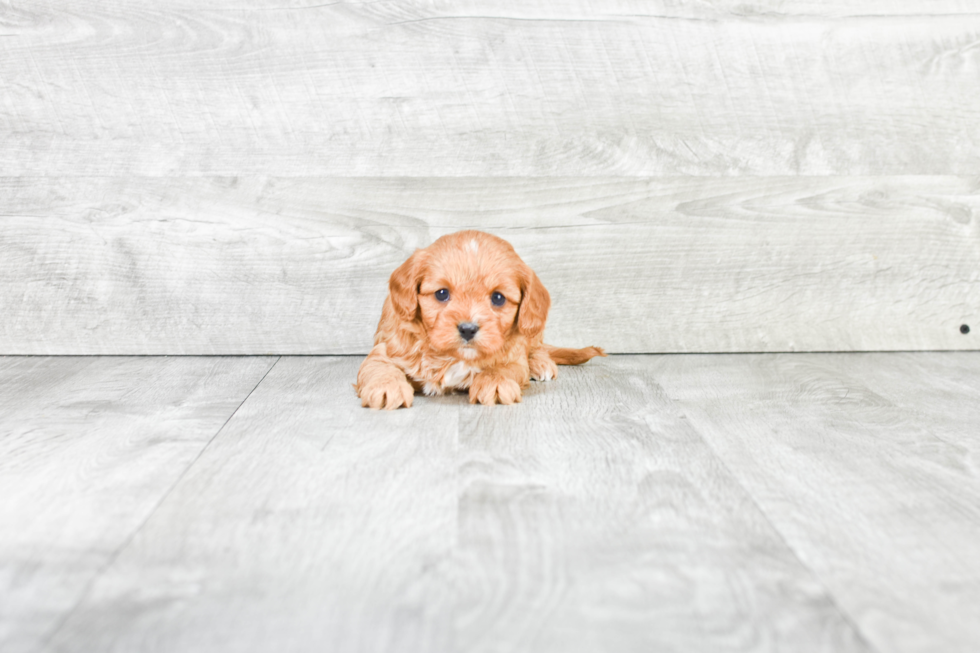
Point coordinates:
[(472, 293)]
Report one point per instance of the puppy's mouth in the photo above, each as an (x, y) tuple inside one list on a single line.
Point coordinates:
[(468, 351)]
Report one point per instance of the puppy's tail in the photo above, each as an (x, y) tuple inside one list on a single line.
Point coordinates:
[(564, 356)]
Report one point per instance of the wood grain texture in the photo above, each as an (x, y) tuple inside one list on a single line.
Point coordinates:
[(274, 265), (503, 88), (867, 465), (313, 524), (309, 524), (88, 448), (594, 518), (787, 502)]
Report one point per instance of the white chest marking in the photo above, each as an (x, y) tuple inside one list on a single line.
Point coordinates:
[(459, 375)]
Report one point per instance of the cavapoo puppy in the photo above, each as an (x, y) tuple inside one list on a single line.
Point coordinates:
[(465, 313)]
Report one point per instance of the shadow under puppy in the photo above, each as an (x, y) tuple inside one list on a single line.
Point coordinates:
[(465, 313)]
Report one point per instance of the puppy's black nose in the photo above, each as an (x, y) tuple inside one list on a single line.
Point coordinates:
[(468, 330)]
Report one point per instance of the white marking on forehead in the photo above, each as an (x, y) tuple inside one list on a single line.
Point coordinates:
[(474, 246)]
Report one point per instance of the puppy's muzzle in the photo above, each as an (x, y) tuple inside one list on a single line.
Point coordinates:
[(468, 330)]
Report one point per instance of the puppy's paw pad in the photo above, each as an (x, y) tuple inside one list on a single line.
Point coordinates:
[(491, 390)]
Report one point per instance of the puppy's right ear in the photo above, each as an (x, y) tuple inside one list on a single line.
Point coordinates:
[(403, 286)]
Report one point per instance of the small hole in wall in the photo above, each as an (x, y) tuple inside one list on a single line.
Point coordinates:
[(964, 329)]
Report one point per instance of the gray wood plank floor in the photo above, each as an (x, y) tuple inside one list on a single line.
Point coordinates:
[(758, 502), (88, 448)]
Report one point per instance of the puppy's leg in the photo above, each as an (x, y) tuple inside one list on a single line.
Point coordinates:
[(381, 383), (499, 384), (541, 366)]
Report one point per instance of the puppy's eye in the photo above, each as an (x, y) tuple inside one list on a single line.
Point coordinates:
[(497, 299), (442, 295)]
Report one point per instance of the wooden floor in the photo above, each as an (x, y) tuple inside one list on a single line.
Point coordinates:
[(764, 502)]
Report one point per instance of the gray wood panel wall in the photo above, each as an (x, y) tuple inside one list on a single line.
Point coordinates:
[(217, 177)]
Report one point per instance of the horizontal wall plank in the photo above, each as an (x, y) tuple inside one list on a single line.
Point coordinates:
[(271, 265), (506, 88)]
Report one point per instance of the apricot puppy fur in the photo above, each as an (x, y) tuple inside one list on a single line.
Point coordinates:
[(465, 313)]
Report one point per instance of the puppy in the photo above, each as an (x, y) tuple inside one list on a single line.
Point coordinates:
[(465, 313)]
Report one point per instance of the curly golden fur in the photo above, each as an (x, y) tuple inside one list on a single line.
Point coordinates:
[(465, 313)]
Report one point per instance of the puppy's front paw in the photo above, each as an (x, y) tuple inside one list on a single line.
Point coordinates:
[(542, 368), (386, 392), (490, 389)]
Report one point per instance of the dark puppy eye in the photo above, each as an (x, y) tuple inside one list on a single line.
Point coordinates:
[(497, 299), (442, 295)]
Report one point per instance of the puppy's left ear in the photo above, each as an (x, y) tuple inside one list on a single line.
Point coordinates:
[(535, 302)]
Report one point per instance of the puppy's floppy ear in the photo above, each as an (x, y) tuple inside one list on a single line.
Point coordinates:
[(403, 286), (535, 302)]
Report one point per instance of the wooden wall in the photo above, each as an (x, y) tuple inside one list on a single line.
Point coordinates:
[(228, 177)]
